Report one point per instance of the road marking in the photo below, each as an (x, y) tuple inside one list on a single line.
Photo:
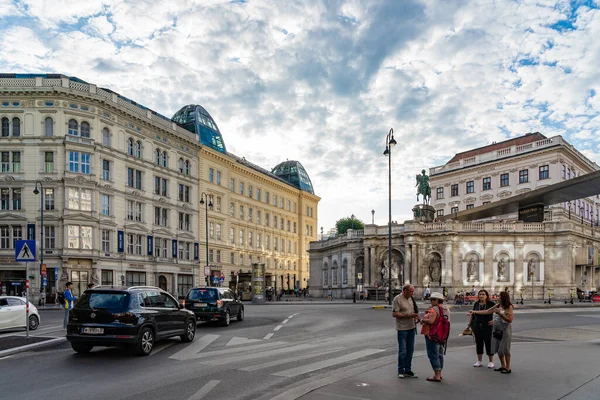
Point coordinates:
[(162, 347), (253, 356), (588, 316), (191, 351), (290, 373), (268, 336), (288, 360), (236, 350), (204, 390), (240, 340), (278, 327), (285, 321)]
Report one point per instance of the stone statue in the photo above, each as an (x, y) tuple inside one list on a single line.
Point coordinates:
[(424, 189), (501, 269), (471, 269), (95, 279), (531, 269), (435, 270), (384, 272)]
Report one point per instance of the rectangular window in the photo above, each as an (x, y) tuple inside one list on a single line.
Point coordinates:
[(267, 219), (242, 237), (73, 161), (564, 171), (258, 217), (218, 231), (105, 204), (106, 234), (267, 197), (49, 199), (241, 187), (258, 194), (49, 237), (134, 211), (107, 277), (218, 177), (487, 183), (17, 235), (232, 258), (79, 237), (471, 187), (294, 227), (275, 200), (544, 172), (250, 214), (48, 162), (106, 170), (15, 165), (218, 203), (524, 176), (241, 212), (135, 278), (439, 193), (469, 206), (454, 210), (232, 209), (504, 180), (211, 175), (184, 284), (185, 221), (5, 199), (232, 235), (79, 199), (281, 222), (134, 178), (5, 237), (281, 202), (184, 193), (250, 242), (258, 240), (250, 191), (134, 244), (211, 230), (16, 199), (440, 213), (454, 190), (268, 242), (232, 184)]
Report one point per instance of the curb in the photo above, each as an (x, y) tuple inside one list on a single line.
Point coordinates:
[(20, 349), (379, 307)]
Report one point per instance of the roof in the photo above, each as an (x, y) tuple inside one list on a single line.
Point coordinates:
[(518, 141), (294, 173)]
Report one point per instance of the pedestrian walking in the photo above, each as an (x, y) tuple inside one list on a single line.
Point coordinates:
[(503, 314), (330, 295), (481, 324), (43, 298), (406, 315), (427, 293), (69, 299), (365, 294), (435, 350), (387, 295)]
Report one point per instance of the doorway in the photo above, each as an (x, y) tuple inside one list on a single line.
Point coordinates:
[(162, 282)]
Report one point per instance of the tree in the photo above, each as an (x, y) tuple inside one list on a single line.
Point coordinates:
[(343, 224)]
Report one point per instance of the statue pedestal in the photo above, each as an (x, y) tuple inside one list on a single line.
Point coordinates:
[(423, 213)]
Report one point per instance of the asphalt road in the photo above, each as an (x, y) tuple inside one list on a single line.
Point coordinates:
[(274, 349)]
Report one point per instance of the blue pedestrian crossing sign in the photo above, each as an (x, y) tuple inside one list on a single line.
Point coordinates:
[(25, 250)]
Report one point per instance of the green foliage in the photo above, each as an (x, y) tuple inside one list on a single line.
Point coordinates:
[(343, 224)]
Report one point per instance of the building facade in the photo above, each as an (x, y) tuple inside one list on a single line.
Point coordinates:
[(559, 254), (119, 187)]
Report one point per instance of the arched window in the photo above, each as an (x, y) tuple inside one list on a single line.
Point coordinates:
[(163, 159), (138, 149), (48, 127), (345, 272), (181, 165), (16, 127), (186, 167), (334, 277), (73, 127), (105, 137), (325, 275), (85, 129), (5, 127), (157, 157), (130, 145)]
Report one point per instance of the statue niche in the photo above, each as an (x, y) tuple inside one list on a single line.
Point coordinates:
[(502, 269), (435, 269), (395, 274), (473, 269)]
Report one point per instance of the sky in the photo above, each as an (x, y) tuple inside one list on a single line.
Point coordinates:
[(323, 82)]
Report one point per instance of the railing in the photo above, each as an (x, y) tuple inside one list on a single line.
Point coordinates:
[(435, 226), (504, 226), (473, 226)]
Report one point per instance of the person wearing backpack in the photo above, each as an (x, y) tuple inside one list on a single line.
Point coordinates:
[(436, 329)]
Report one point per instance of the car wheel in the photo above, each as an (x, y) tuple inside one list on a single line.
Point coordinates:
[(145, 342), (190, 331), (34, 322), (82, 347), (226, 319), (240, 316)]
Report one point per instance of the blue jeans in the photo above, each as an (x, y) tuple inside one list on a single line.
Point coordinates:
[(406, 348), (66, 318), (435, 353)]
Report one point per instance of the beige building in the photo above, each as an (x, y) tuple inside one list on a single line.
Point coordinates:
[(559, 254), (120, 185)]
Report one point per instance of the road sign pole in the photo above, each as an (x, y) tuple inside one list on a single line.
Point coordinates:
[(27, 304)]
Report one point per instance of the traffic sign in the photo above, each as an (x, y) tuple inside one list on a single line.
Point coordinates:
[(360, 275), (25, 250)]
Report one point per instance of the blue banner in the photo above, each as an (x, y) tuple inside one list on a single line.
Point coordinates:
[(150, 244), (174, 248), (30, 231), (196, 251), (120, 242)]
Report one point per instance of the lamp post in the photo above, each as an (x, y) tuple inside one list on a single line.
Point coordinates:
[(389, 143), (372, 217), (207, 203), (352, 216), (36, 192)]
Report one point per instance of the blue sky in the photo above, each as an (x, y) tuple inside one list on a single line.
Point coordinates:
[(322, 82)]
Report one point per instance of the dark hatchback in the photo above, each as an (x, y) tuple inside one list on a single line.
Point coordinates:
[(214, 304), (134, 317)]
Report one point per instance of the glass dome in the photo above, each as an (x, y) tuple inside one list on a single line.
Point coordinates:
[(196, 119), (294, 173)]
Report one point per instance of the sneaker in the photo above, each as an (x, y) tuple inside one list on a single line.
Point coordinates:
[(401, 376), (410, 374), (491, 365), (478, 364)]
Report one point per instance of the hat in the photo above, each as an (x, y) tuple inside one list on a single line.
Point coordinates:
[(436, 295)]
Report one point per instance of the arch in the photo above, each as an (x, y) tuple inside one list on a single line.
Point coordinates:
[(359, 267), (334, 273), (73, 128), (395, 274), (434, 262), (345, 271), (472, 262), (157, 156), (533, 267), (186, 167), (48, 126), (85, 129), (105, 137), (162, 282), (138, 149), (502, 263), (16, 129), (325, 274), (164, 159), (130, 146), (5, 127)]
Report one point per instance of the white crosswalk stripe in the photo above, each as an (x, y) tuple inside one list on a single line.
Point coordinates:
[(289, 373), (287, 360), (191, 351), (253, 356)]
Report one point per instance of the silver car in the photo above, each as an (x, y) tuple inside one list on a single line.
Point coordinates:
[(12, 313)]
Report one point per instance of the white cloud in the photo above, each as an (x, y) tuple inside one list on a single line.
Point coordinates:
[(323, 82)]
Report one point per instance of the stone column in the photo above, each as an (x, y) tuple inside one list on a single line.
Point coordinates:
[(448, 263), (518, 269), (175, 288), (488, 265), (417, 275), (408, 264)]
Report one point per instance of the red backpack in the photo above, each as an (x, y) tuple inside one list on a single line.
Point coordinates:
[(440, 329)]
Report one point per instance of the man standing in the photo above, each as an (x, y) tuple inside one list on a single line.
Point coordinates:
[(404, 311), (69, 299), (43, 298)]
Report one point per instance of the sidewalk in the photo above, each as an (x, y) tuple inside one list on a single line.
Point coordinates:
[(542, 370)]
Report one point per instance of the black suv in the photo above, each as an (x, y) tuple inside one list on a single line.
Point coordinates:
[(133, 317), (214, 304)]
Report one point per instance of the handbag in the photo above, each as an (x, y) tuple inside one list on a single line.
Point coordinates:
[(467, 331), (497, 334)]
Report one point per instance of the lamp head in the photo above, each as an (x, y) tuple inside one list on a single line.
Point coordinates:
[(201, 200), (387, 151), (393, 141), (36, 191)]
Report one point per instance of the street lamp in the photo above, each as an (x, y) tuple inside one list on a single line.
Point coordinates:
[(389, 143), (36, 192), (207, 203), (372, 217), (352, 216)]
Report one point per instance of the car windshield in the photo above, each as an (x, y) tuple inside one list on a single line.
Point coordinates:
[(207, 294), (103, 301)]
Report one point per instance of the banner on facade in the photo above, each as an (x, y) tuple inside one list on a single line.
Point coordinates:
[(196, 251), (120, 242), (150, 245), (534, 213), (174, 252), (30, 231)]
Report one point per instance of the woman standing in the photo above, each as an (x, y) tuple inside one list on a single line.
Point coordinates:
[(501, 330), (482, 328), (435, 351)]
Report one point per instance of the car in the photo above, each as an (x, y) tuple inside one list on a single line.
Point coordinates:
[(133, 317), (214, 304), (12, 313)]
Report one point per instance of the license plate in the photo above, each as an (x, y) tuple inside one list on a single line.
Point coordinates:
[(200, 304), (93, 331)]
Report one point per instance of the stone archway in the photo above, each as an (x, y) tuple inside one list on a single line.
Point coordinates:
[(395, 275)]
